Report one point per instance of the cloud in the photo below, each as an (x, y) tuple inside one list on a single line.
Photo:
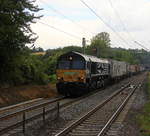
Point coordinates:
[(134, 15)]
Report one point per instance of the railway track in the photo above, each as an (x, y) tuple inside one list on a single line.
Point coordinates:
[(98, 121), (15, 119), (26, 115), (12, 118), (18, 119), (11, 107)]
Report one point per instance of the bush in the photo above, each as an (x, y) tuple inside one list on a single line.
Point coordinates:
[(52, 78), (34, 70), (144, 117)]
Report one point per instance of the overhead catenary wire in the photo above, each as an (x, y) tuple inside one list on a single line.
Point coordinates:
[(77, 37), (62, 31), (66, 17), (119, 18), (101, 19), (106, 23), (115, 11), (124, 27), (141, 46)]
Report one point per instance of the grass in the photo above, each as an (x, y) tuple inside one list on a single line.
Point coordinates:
[(144, 117)]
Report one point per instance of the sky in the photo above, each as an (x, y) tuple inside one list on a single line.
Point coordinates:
[(66, 22)]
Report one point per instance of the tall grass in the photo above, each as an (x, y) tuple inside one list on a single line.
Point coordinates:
[(144, 117)]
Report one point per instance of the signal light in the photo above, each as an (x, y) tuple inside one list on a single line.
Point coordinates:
[(70, 58)]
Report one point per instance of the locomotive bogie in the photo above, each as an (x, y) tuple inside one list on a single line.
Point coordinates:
[(72, 88)]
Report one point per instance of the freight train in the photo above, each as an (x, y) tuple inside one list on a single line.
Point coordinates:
[(78, 73)]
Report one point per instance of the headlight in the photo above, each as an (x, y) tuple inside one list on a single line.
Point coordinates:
[(82, 78), (58, 78)]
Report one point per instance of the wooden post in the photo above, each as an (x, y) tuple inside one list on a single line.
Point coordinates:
[(83, 44), (58, 109), (24, 122), (44, 114)]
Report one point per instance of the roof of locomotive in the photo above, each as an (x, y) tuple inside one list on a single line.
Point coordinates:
[(88, 57)]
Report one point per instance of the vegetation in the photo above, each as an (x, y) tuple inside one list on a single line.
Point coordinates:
[(100, 45), (15, 32), (144, 118)]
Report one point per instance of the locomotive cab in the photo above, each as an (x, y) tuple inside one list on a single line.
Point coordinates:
[(71, 68), (78, 73), (71, 73)]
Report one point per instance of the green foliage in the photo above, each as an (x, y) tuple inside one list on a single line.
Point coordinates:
[(123, 55), (30, 69), (52, 78), (144, 120), (15, 32), (148, 86), (34, 70), (99, 45), (72, 48), (51, 52), (51, 62)]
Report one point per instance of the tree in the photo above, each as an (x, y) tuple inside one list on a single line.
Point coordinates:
[(99, 45), (15, 32), (123, 55)]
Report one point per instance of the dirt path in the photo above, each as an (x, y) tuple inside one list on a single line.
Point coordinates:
[(13, 95)]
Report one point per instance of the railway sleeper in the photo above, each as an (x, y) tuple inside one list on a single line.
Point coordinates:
[(93, 123), (82, 135), (88, 133), (85, 129), (90, 127), (112, 133)]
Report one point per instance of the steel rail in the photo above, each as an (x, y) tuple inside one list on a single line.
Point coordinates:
[(20, 123), (76, 123), (116, 114), (4, 109), (30, 109), (2, 131)]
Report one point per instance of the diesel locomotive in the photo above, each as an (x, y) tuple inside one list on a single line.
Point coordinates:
[(79, 73)]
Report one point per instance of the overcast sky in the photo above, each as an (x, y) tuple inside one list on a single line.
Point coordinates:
[(73, 17)]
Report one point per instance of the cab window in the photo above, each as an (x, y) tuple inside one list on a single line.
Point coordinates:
[(77, 65), (64, 64)]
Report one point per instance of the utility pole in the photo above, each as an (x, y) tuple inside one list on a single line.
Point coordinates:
[(97, 51), (83, 44)]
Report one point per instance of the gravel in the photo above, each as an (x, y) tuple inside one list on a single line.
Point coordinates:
[(130, 125), (69, 114)]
